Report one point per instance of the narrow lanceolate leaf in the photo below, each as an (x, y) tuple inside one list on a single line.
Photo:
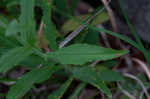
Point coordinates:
[(82, 53), (108, 75), (89, 75), (27, 22), (13, 28), (49, 28), (27, 81), (13, 57), (59, 93)]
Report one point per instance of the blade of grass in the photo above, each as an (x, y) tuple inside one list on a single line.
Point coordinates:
[(145, 52), (129, 24), (27, 22)]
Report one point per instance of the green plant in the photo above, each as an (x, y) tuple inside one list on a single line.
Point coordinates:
[(21, 45)]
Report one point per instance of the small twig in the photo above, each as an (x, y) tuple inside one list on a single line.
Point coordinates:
[(126, 57), (94, 63), (40, 35), (34, 97), (126, 92), (111, 15), (88, 93), (42, 88), (102, 96), (116, 95), (104, 37), (143, 66), (40, 31), (78, 30), (142, 94), (115, 28), (139, 81)]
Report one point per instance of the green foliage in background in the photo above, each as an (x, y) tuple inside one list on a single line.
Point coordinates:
[(19, 46)]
